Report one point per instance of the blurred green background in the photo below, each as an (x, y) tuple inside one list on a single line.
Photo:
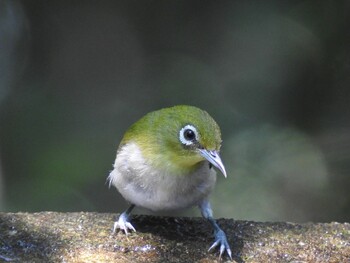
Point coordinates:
[(274, 74)]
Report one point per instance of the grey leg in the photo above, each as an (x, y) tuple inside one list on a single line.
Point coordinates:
[(219, 234)]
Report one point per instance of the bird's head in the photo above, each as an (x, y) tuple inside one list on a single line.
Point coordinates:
[(177, 139)]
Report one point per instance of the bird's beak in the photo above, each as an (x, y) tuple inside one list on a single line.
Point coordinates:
[(214, 158)]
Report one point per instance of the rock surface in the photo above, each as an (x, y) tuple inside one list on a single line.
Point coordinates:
[(87, 237)]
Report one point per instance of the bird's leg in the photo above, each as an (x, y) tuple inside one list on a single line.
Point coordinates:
[(123, 221), (219, 234)]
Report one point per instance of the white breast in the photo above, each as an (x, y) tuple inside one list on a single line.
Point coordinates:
[(141, 184)]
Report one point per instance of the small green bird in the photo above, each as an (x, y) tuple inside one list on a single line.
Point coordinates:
[(165, 162)]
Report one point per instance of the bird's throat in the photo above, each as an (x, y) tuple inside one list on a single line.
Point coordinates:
[(171, 162), (178, 165)]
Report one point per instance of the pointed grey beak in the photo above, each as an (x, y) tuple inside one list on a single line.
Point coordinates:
[(214, 158)]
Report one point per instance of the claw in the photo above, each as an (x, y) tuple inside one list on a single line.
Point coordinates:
[(222, 249), (215, 244), (220, 239), (123, 223), (229, 252)]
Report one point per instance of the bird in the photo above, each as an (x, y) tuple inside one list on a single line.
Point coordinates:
[(165, 161)]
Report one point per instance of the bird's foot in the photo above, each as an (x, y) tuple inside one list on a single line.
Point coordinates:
[(123, 223), (221, 240)]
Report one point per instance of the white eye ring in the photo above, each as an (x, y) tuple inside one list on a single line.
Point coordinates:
[(183, 138)]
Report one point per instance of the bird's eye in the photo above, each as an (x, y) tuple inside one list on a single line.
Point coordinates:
[(188, 135)]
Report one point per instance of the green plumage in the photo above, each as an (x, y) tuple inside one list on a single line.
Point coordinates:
[(157, 135)]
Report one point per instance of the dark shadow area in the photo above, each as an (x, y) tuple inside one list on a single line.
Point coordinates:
[(19, 242), (192, 231)]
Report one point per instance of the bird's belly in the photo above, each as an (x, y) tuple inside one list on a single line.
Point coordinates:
[(166, 192), (155, 190)]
